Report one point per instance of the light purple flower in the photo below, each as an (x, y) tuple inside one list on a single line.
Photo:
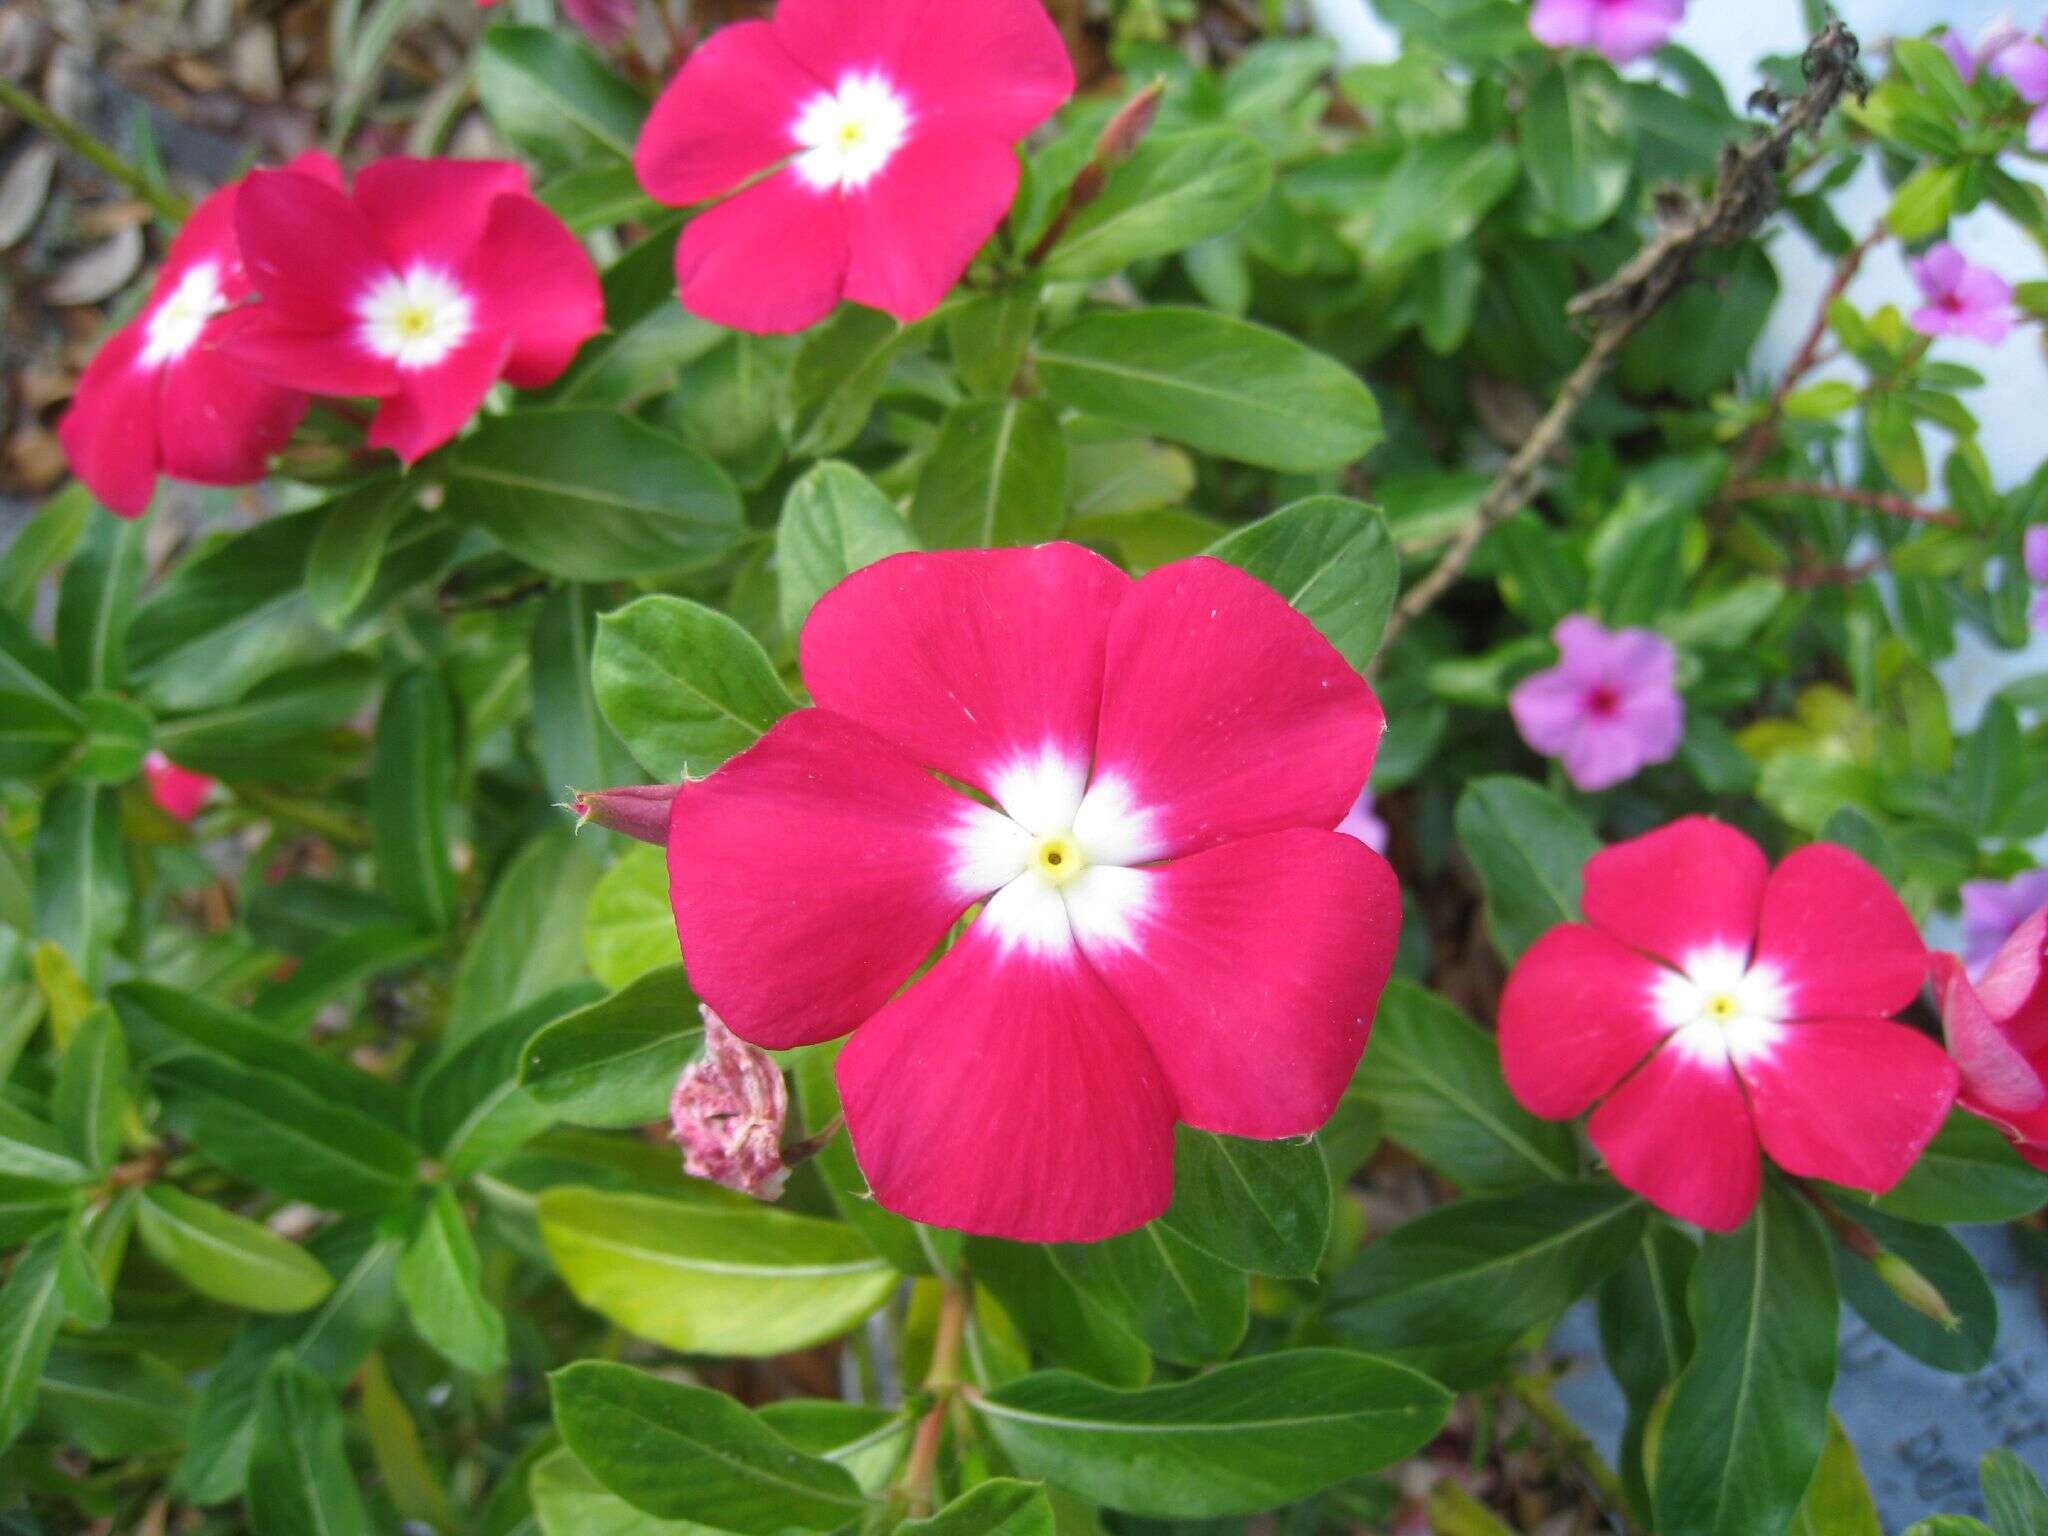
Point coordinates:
[(1363, 823), (727, 1113), (1961, 299), (1970, 59), (1992, 909), (2037, 572), (1608, 708), (2025, 65), (1622, 30), (1959, 53)]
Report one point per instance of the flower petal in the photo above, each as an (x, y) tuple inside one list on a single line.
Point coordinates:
[(109, 433), (433, 211), (917, 225), (536, 282), (1842, 944), (220, 423), (2014, 986), (1575, 1016), (317, 358), (1211, 680), (725, 118), (1852, 1101), (1253, 969), (1006, 1093), (770, 260), (307, 249), (812, 874), (433, 404), (1994, 1070), (1679, 1134), (1696, 884), (984, 664)]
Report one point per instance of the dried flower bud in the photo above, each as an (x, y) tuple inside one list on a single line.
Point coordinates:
[(635, 810), (727, 1113), (1914, 1289)]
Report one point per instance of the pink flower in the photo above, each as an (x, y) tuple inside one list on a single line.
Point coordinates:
[(1608, 708), (1709, 1003), (882, 134), (603, 21), (1997, 1030), (426, 284), (1363, 823), (2025, 65), (178, 791), (1970, 59), (1961, 299), (1992, 909), (1621, 30), (727, 1114), (1168, 928), (159, 397), (2036, 554)]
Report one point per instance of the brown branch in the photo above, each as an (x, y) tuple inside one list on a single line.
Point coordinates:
[(1758, 440), (1834, 575), (1845, 495), (1745, 193)]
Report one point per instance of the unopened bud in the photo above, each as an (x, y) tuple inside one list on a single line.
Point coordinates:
[(1914, 1289), (1121, 135), (635, 810), (727, 1113)]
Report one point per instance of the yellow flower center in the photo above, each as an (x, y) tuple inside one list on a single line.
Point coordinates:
[(1722, 1008), (1058, 858)]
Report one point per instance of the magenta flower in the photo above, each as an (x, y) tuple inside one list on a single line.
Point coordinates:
[(1996, 1027), (862, 149), (2037, 572), (2025, 65), (1961, 299), (179, 792), (1167, 930), (1608, 708), (727, 1113), (1992, 909), (1363, 823), (1621, 30)]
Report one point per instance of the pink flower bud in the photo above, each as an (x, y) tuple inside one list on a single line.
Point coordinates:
[(634, 810), (727, 1113), (1122, 133), (178, 791)]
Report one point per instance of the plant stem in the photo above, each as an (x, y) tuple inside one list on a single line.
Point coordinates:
[(1846, 495), (914, 1489), (168, 207), (1758, 441), (1533, 1393)]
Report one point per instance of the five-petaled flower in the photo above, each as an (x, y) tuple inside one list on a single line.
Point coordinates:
[(1960, 299), (1992, 909), (727, 1114), (1997, 1029), (1621, 30), (159, 397), (179, 792), (1709, 1002), (862, 148), (1608, 709), (1168, 929), (424, 285)]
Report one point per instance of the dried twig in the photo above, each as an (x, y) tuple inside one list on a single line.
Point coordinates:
[(1745, 194)]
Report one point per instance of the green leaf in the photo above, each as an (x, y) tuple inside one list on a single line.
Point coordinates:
[(1435, 197), (989, 334), (996, 476), (684, 686), (228, 1257), (272, 730), (1528, 849), (1646, 1338), (1485, 1267), (528, 944), (1578, 141), (548, 93), (839, 373), (648, 337), (1943, 1263), (412, 775), (438, 1277), (1242, 1438), (275, 1134), (113, 1405), (629, 929), (1968, 1175), (712, 1278), (1838, 1502), (31, 1308), (577, 748), (1330, 557), (95, 603), (834, 522), (30, 1207), (568, 1500), (469, 1109), (341, 566), (1220, 385), (613, 1062), (2012, 1496), (1063, 1324), (1176, 190), (1185, 1304), (684, 1452), (1748, 1420), (32, 1150), (300, 1483), (81, 873), (1262, 1206), (593, 495), (1435, 1076), (91, 1096), (118, 734), (336, 968), (41, 544), (1002, 1506)]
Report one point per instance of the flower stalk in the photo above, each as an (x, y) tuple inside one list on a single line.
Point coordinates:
[(912, 1494), (23, 104)]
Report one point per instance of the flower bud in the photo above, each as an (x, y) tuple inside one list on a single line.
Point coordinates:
[(635, 810), (179, 791), (727, 1113), (1121, 135), (1914, 1289)]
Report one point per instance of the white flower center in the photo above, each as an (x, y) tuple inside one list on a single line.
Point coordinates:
[(850, 133), (1718, 1007), (173, 326), (415, 318)]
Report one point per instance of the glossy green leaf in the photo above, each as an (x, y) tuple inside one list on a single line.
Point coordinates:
[(29, 1149), (1838, 1501), (568, 1500), (1001, 1506), (113, 1404), (1242, 1438), (300, 1482), (30, 1207), (91, 1096), (989, 335), (31, 1309), (839, 373), (613, 1062), (527, 944), (43, 542), (228, 1257), (834, 522), (1646, 1338), (276, 729), (1064, 1325), (1262, 1206), (1175, 191), (469, 1109), (1578, 140), (1330, 557), (412, 776), (438, 1276), (712, 1279), (2013, 1497), (96, 601), (683, 685), (629, 928), (81, 873), (550, 94), (1185, 1304), (1945, 1264), (578, 749), (341, 565), (997, 476), (1968, 1174), (1528, 849), (1435, 196), (1220, 385)]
